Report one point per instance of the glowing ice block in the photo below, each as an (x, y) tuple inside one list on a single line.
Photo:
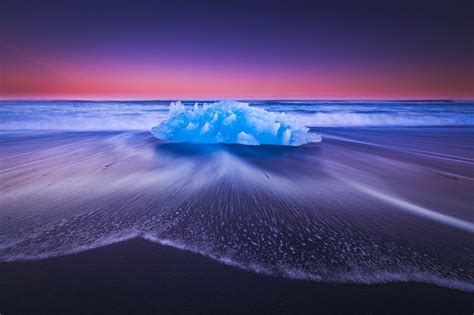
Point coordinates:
[(232, 122)]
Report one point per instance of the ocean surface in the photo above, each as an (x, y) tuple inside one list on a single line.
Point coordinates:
[(143, 115), (387, 195)]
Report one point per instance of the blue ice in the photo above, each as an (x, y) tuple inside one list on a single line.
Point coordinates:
[(232, 122)]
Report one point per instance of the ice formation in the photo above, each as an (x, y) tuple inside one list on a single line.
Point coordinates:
[(232, 122)]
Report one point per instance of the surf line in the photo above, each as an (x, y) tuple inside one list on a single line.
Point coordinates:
[(412, 208)]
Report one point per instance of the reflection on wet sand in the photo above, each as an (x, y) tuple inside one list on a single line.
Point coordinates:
[(365, 205)]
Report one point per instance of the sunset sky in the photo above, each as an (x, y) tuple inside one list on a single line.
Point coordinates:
[(236, 49)]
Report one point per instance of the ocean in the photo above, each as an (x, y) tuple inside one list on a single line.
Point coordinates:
[(386, 196), (143, 115)]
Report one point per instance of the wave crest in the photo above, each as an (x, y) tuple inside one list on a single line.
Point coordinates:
[(232, 122)]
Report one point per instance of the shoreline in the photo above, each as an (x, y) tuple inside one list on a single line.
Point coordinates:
[(353, 209), (159, 278)]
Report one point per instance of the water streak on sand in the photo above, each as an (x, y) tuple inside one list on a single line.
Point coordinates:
[(286, 211)]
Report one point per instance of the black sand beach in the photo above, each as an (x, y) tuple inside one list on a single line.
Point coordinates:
[(140, 276), (236, 157), (371, 220)]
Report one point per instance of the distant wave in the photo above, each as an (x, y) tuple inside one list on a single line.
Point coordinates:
[(338, 119), (231, 122), (134, 115), (80, 116)]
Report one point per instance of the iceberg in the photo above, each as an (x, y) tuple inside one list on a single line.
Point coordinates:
[(232, 122)]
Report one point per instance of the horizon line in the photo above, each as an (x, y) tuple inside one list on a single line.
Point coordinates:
[(238, 99)]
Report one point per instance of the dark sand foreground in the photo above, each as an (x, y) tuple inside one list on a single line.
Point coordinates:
[(140, 276), (376, 220)]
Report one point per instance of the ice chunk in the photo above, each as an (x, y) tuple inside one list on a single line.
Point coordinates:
[(231, 122), (176, 108)]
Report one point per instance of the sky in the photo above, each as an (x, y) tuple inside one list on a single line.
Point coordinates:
[(290, 49)]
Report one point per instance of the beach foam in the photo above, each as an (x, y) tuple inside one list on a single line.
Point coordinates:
[(342, 213), (232, 122)]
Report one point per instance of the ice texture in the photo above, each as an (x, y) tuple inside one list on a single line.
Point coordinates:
[(232, 122)]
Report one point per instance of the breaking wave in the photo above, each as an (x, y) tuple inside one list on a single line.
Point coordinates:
[(341, 119), (232, 122), (144, 115)]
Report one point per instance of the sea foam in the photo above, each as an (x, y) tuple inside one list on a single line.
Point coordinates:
[(232, 122)]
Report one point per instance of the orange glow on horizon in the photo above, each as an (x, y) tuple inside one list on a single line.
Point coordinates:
[(24, 77)]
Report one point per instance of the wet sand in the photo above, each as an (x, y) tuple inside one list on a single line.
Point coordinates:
[(140, 276), (369, 220)]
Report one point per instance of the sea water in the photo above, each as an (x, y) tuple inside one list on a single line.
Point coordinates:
[(386, 195)]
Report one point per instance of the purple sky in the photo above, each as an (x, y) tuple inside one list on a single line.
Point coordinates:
[(236, 49)]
